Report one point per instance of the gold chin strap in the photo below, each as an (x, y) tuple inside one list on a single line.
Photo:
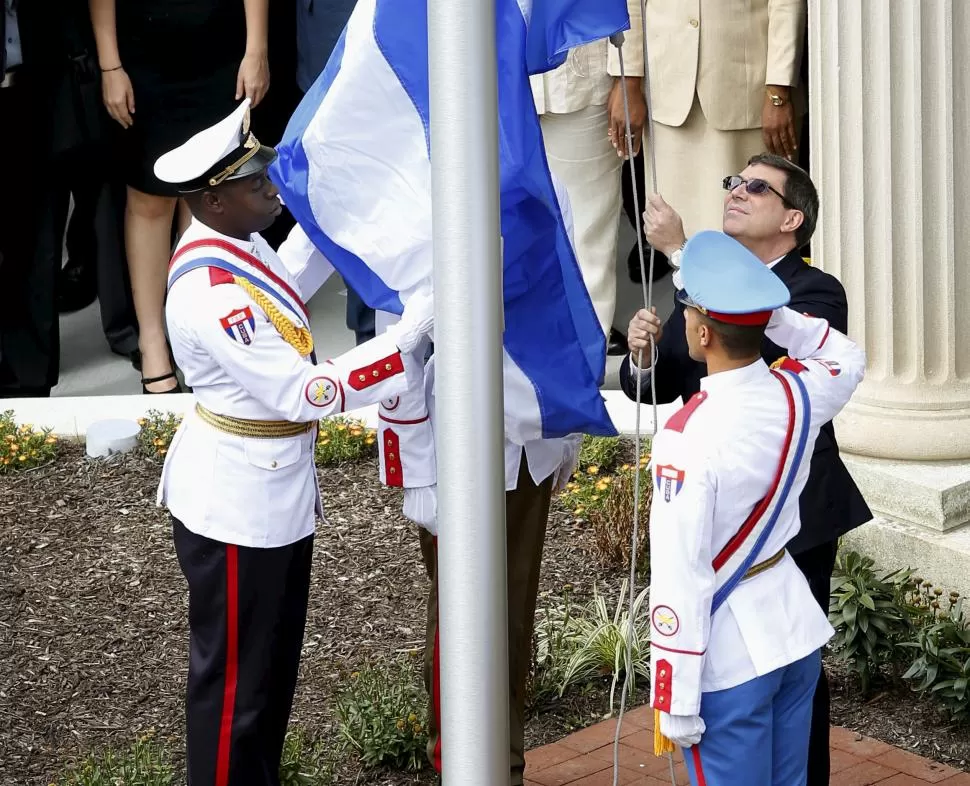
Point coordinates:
[(299, 338), (252, 148)]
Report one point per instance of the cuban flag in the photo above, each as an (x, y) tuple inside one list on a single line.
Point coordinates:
[(354, 169)]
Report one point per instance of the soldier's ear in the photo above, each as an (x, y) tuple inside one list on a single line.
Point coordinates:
[(211, 202)]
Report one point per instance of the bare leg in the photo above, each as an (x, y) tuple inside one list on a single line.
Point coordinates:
[(148, 228)]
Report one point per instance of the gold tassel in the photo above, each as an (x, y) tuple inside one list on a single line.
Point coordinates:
[(661, 744), (299, 338), (777, 363)]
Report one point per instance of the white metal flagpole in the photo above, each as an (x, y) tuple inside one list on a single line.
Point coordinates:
[(469, 401)]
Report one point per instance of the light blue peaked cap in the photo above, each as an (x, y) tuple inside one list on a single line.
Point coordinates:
[(724, 280)]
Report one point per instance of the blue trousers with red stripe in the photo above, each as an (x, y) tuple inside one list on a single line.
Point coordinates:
[(757, 732), (247, 613)]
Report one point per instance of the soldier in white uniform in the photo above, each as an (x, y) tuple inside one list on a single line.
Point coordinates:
[(239, 478), (736, 632), (533, 472)]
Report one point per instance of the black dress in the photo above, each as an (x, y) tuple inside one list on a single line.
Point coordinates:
[(182, 57)]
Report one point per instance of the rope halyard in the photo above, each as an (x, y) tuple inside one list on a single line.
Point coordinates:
[(661, 744), (299, 338)]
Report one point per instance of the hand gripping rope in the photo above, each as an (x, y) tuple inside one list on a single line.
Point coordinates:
[(646, 279)]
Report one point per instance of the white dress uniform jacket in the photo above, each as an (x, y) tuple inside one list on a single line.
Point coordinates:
[(258, 492), (726, 456), (406, 429)]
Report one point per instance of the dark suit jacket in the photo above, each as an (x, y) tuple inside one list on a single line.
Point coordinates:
[(831, 503)]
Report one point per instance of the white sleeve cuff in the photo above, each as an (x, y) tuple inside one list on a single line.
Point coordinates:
[(644, 373)]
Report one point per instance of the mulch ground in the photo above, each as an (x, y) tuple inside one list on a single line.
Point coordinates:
[(93, 638)]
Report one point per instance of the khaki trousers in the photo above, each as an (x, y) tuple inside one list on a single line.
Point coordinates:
[(526, 515), (693, 159), (580, 154)]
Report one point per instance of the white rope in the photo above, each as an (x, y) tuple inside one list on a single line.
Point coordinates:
[(646, 282)]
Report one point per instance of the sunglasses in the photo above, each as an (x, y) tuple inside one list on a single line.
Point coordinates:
[(754, 186)]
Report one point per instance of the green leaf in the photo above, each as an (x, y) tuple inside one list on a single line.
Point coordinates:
[(867, 601), (849, 615)]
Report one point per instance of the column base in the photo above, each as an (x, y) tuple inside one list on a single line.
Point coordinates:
[(905, 434), (940, 557), (934, 495)]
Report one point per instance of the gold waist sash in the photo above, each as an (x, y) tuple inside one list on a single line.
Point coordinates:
[(257, 429), (761, 567)]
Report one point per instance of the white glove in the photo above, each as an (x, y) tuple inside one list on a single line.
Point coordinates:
[(417, 321), (682, 730), (421, 507), (570, 461)]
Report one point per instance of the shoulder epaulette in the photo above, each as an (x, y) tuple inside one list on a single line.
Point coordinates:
[(219, 276), (679, 419)]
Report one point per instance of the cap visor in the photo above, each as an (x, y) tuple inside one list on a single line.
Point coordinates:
[(265, 156)]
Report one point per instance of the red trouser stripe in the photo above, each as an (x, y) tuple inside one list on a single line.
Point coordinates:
[(698, 768), (436, 680), (232, 665), (436, 695)]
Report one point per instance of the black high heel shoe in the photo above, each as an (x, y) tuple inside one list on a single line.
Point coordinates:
[(170, 375)]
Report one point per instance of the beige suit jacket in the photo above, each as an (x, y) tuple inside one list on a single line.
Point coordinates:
[(585, 79), (725, 51)]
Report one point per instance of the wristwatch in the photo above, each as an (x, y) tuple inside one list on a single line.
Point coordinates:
[(674, 258), (776, 99)]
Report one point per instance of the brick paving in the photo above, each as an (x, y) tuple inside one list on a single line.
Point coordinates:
[(586, 759)]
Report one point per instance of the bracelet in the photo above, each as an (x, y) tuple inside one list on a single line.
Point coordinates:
[(109, 70)]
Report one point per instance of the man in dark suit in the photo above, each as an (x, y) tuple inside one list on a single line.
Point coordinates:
[(771, 208)]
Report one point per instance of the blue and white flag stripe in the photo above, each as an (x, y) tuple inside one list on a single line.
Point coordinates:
[(354, 169)]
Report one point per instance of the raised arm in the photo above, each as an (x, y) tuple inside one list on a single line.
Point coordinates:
[(829, 363)]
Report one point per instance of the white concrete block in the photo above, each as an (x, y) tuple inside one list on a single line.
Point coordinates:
[(109, 437), (933, 494)]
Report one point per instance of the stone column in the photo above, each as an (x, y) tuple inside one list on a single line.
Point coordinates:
[(890, 143), (890, 146)]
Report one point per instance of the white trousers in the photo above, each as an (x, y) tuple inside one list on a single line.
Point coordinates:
[(581, 156)]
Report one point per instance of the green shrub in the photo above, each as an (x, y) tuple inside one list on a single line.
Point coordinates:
[(554, 643), (341, 440), (157, 431), (600, 452), (145, 763), (576, 646), (306, 761), (869, 614), (942, 665), (586, 492), (612, 521), (24, 447), (382, 715), (602, 639)]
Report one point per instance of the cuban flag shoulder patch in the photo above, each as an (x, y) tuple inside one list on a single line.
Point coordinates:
[(831, 366), (670, 480), (240, 325)]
